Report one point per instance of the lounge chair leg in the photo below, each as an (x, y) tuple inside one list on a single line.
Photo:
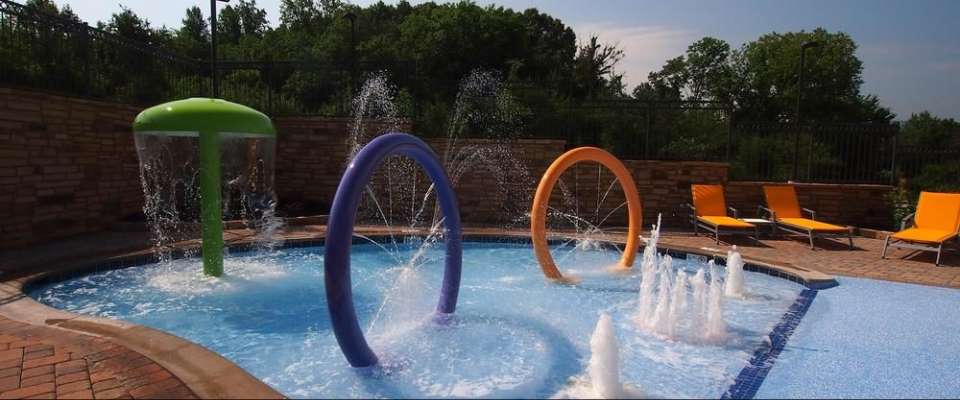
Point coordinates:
[(717, 234), (812, 247), (886, 243), (939, 251), (850, 236)]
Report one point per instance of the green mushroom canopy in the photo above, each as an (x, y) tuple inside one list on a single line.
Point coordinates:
[(202, 115)]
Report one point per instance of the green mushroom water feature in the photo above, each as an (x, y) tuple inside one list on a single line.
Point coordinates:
[(202, 160)]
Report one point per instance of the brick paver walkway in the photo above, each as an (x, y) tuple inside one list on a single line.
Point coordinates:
[(39, 362), (833, 257)]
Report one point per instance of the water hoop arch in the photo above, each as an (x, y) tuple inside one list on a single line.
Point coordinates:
[(342, 217), (538, 214)]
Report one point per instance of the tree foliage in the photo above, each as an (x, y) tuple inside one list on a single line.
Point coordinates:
[(927, 130), (760, 79)]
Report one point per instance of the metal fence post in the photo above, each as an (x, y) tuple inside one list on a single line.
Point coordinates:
[(646, 134), (729, 135), (810, 153), (893, 157), (85, 49)]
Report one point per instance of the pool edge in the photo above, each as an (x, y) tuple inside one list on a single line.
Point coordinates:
[(209, 374)]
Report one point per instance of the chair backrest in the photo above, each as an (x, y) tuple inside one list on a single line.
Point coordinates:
[(938, 211), (782, 199), (709, 200)]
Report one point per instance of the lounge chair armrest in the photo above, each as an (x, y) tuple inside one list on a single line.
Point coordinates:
[(813, 214), (772, 214), (736, 214), (903, 222), (692, 209)]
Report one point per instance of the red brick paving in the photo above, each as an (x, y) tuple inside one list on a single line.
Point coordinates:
[(45, 362)]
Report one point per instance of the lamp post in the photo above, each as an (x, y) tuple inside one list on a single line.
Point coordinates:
[(215, 83), (796, 139)]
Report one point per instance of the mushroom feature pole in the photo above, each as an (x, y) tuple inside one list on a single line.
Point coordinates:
[(210, 217)]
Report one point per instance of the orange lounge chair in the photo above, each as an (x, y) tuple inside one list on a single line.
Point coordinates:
[(936, 221), (786, 214), (709, 211)]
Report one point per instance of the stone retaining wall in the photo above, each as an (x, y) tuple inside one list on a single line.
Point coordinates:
[(68, 166)]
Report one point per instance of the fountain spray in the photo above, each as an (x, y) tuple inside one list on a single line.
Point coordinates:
[(733, 286)]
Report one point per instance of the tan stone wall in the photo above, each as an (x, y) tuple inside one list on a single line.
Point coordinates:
[(68, 166), (311, 156)]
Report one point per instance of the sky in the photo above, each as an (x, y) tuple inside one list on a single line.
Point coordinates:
[(910, 48)]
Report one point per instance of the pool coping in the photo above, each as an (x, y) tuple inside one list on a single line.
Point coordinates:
[(210, 375)]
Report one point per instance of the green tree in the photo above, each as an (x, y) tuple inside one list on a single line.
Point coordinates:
[(253, 20), (595, 71), (833, 77), (927, 130), (704, 72), (709, 71), (299, 15), (670, 82), (229, 26), (193, 37), (760, 79), (128, 24)]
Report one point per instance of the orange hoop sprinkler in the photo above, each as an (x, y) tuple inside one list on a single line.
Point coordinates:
[(538, 214)]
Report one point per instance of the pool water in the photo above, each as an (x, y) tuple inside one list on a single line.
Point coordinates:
[(514, 333)]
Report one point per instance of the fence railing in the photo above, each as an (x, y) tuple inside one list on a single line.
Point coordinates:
[(931, 167), (814, 152)]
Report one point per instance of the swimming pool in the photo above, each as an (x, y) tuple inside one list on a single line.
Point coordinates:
[(514, 333), (872, 339)]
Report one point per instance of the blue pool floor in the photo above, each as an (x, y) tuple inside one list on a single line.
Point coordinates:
[(872, 339)]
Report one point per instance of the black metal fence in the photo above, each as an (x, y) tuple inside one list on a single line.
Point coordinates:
[(928, 167), (640, 130), (44, 51), (48, 52), (815, 152)]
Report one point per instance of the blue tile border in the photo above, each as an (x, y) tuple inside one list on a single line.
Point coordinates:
[(748, 382)]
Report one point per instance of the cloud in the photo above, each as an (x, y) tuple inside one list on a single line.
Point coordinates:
[(945, 66), (646, 48)]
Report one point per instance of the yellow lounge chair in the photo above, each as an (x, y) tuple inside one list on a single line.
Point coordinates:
[(709, 211), (936, 221), (786, 214)]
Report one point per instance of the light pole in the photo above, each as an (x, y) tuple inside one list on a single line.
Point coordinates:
[(215, 83), (796, 139)]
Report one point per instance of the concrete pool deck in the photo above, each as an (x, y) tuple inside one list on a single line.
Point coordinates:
[(21, 315)]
